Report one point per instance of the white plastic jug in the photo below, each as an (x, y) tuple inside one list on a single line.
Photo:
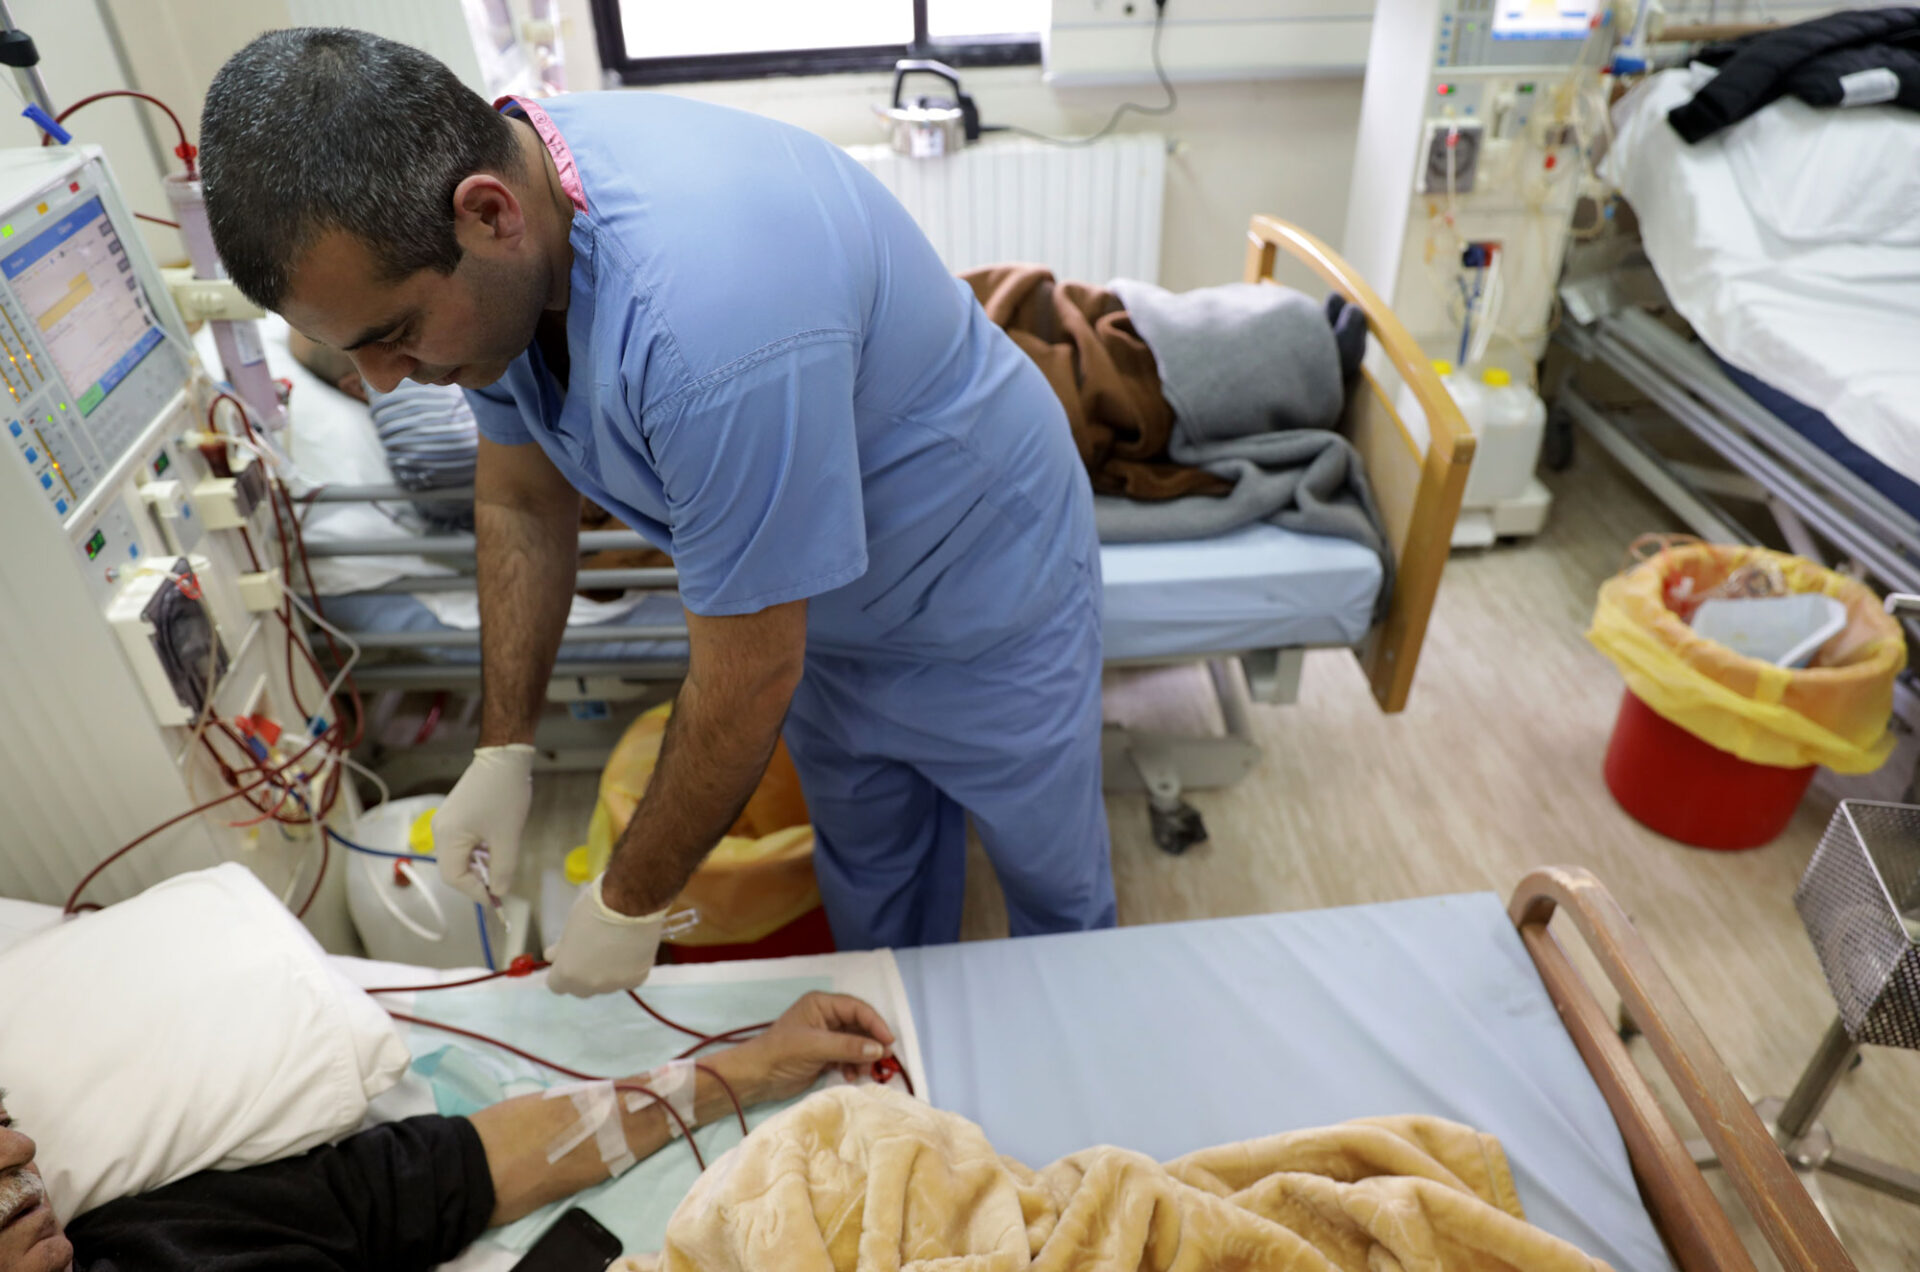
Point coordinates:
[(1509, 421), (404, 914)]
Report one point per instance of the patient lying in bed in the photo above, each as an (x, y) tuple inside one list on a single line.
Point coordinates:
[(408, 1194), (431, 443)]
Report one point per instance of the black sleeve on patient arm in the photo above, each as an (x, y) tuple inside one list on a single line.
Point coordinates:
[(403, 1195)]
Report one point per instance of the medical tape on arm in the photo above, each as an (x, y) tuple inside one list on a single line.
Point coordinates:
[(598, 1109), (675, 1084)]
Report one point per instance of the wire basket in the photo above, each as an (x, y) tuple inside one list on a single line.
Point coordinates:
[(1860, 901)]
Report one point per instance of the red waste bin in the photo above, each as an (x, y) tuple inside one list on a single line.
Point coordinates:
[(1693, 791)]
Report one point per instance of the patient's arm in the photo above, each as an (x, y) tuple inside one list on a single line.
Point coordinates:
[(818, 1033)]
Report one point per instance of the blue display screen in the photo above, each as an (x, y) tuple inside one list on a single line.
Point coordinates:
[(76, 281), (15, 262)]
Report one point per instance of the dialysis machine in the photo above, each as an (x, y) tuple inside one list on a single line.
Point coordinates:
[(134, 613), (1476, 123)]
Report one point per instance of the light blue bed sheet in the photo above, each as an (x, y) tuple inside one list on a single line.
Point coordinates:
[(1259, 587), (1174, 1037)]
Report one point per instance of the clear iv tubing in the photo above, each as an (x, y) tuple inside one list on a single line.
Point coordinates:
[(882, 1070)]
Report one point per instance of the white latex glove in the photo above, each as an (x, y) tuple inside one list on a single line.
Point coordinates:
[(602, 950), (476, 833)]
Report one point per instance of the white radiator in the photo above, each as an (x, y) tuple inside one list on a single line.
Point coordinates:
[(1088, 213)]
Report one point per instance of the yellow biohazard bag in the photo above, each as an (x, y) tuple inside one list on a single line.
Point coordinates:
[(760, 876), (1834, 712)]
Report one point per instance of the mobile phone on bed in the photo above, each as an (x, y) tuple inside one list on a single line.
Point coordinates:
[(575, 1243)]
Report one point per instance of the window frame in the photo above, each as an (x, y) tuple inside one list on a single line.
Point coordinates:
[(1013, 50)]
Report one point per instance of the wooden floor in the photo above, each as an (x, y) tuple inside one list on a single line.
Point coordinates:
[(1493, 769)]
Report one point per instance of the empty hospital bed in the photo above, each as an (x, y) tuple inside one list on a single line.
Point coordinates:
[(1786, 244), (1249, 604), (1184, 1035)]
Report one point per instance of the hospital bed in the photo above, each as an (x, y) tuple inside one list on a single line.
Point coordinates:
[(1172, 1037), (1772, 346), (1249, 604)]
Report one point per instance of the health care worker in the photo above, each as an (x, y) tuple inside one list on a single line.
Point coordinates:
[(728, 334)]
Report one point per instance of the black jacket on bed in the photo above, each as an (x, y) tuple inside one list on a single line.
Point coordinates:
[(399, 1197), (1859, 57)]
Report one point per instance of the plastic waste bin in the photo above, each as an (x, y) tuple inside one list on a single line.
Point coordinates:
[(1716, 749), (756, 886)]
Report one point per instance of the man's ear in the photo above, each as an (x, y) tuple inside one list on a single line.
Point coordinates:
[(485, 209)]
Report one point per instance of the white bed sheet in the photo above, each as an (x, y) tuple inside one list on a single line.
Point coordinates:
[(1831, 321), (1259, 587), (512, 1009)]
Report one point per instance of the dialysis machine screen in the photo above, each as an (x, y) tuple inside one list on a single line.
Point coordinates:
[(79, 290), (1542, 20), (86, 363)]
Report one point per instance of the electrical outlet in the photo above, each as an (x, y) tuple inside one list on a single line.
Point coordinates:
[(1460, 136)]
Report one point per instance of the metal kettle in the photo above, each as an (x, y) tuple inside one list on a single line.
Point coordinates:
[(929, 127)]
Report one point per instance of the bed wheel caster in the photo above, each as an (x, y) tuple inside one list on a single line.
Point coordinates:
[(1178, 828)]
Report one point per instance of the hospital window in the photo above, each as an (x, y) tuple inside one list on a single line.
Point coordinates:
[(668, 41)]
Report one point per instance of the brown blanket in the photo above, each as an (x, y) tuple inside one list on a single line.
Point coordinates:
[(868, 1178), (1102, 372)]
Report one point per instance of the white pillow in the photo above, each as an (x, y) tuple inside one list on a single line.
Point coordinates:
[(197, 1026), (1822, 175)]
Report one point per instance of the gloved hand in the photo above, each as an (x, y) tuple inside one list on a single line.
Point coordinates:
[(485, 813), (602, 950)]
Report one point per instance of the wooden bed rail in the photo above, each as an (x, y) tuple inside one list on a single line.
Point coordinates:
[(1701, 1236), (1419, 492)]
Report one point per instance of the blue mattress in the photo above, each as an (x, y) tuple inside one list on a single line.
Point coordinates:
[(1173, 1037), (1259, 587), (1901, 490)]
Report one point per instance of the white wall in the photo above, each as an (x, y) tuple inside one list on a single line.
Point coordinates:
[(1283, 147), (173, 47), (77, 59), (1278, 146), (176, 46)]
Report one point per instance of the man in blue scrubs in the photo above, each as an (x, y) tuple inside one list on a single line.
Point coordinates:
[(729, 335)]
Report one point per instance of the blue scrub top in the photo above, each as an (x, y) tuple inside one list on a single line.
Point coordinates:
[(774, 378)]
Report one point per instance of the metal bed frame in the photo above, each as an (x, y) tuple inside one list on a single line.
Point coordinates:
[(1418, 490), (1823, 511)]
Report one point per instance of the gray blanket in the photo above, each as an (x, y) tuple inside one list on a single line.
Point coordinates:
[(1257, 384)]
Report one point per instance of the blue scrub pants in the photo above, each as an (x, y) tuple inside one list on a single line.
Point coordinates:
[(894, 754)]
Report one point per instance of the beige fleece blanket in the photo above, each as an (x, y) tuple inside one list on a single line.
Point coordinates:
[(869, 1178)]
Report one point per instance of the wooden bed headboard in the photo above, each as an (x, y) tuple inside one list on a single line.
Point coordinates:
[(1696, 1228), (1419, 493)]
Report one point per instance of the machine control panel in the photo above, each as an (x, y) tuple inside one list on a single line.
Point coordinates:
[(1505, 34), (84, 357)]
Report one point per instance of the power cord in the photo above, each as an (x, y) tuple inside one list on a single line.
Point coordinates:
[(1119, 112)]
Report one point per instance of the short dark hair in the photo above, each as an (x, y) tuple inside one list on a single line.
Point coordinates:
[(312, 129)]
